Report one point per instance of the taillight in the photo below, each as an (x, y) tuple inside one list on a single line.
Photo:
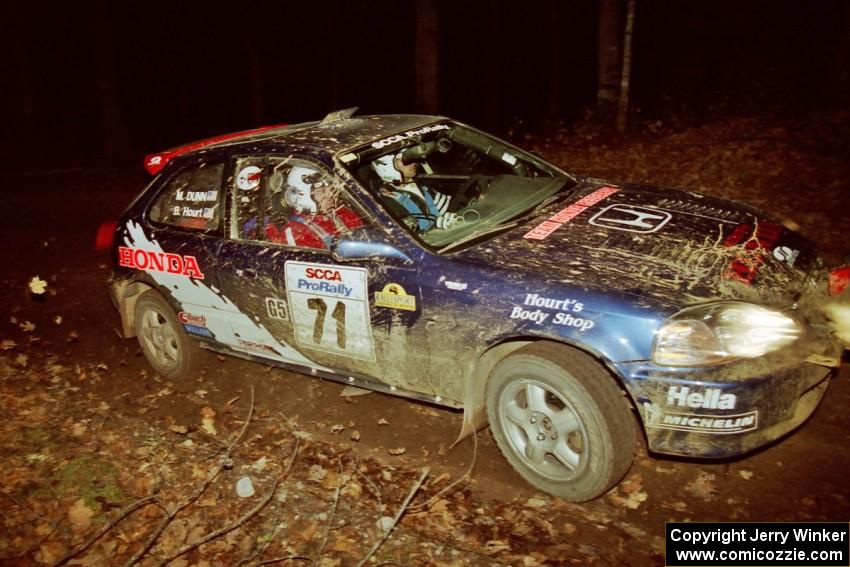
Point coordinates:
[(105, 235), (839, 279)]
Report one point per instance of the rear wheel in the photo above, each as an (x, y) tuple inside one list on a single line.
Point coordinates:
[(162, 338), (560, 421)]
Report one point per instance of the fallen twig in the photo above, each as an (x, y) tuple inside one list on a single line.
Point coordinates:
[(282, 559), (23, 506), (463, 477), (342, 482), (224, 462), (45, 537), (229, 528), (33, 547), (173, 514), (121, 515), (245, 425), (374, 489), (398, 515), (258, 550)]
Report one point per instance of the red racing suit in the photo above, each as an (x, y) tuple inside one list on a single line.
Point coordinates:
[(315, 231)]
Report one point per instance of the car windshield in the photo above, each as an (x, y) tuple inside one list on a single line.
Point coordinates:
[(452, 186)]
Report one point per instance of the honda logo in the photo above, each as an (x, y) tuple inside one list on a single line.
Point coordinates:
[(631, 218)]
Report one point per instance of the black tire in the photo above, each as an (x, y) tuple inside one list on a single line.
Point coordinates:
[(560, 421), (166, 345)]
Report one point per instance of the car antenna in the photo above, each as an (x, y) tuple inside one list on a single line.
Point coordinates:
[(339, 115)]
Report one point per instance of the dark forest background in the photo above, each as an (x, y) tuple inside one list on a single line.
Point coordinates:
[(98, 82)]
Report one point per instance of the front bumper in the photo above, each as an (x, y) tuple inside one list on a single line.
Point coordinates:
[(723, 412)]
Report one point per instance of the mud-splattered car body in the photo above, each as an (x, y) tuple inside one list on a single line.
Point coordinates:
[(625, 274)]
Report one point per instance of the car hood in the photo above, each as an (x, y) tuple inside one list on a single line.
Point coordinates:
[(672, 246)]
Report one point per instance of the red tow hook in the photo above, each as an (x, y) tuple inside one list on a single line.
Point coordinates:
[(839, 279), (105, 235)]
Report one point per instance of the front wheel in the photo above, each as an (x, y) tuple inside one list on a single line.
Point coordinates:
[(560, 421), (162, 338)]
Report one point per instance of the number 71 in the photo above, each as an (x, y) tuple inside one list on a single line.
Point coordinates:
[(338, 314)]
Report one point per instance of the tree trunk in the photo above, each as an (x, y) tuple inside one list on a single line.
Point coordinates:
[(609, 58), (255, 80), (333, 62), (841, 61), (18, 97), (554, 25), (622, 111), (116, 141), (427, 56), (493, 72)]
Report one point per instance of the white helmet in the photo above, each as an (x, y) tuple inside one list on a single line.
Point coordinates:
[(249, 178), (298, 193), (385, 168)]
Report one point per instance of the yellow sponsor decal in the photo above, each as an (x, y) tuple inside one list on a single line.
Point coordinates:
[(394, 297)]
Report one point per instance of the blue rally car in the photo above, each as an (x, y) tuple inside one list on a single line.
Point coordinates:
[(418, 256)]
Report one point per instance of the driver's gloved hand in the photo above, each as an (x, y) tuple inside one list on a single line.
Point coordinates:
[(448, 220)]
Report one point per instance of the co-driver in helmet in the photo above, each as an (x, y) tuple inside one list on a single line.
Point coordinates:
[(317, 218)]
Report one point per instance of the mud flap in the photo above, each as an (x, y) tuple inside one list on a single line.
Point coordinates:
[(472, 422), (124, 294), (475, 392), (838, 307)]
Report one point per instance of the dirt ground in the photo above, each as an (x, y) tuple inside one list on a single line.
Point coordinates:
[(102, 462)]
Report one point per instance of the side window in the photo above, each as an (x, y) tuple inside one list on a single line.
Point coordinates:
[(291, 201), (247, 186), (190, 200)]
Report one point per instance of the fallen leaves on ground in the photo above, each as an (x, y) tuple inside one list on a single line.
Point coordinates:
[(629, 493), (208, 420), (703, 486), (37, 285), (73, 471)]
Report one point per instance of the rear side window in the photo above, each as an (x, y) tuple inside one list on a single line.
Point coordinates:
[(290, 201), (191, 199)]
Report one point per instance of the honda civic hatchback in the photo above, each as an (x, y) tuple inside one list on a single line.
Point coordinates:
[(420, 257)]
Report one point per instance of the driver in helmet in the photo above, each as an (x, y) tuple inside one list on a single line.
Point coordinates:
[(317, 218), (427, 209)]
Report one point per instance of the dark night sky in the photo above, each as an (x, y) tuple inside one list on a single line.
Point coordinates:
[(182, 70)]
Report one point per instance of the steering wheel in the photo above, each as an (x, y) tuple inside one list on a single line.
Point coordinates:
[(411, 220), (469, 192)]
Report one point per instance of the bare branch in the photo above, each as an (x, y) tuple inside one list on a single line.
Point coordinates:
[(21, 505), (224, 461), (374, 489), (460, 479), (55, 526), (342, 482), (226, 529), (121, 515), (245, 425), (398, 515), (282, 559), (34, 546), (256, 550)]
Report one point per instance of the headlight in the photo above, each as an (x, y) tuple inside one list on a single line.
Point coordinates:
[(721, 332)]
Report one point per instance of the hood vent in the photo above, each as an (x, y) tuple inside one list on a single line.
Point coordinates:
[(698, 209)]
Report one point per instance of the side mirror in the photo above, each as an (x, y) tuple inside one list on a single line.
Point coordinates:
[(343, 249)]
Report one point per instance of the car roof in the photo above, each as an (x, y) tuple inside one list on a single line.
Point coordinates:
[(334, 134), (348, 133)]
